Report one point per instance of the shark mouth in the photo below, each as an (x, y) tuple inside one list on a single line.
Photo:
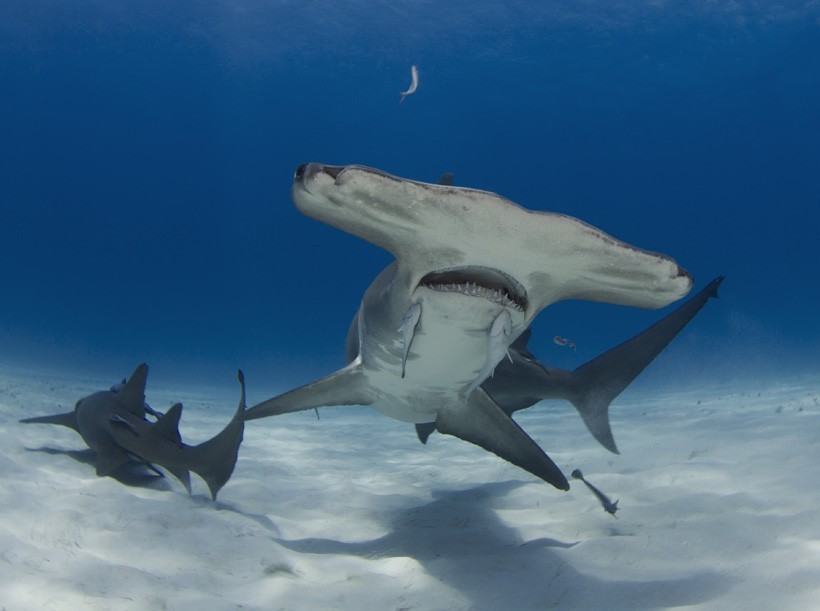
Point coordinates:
[(485, 282)]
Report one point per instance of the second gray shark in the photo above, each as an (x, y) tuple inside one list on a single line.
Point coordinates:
[(113, 423)]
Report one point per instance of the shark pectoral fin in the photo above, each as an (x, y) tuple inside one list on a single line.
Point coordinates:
[(481, 421), (168, 424), (347, 386), (69, 419), (109, 457), (424, 430)]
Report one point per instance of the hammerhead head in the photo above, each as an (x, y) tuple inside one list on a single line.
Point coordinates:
[(113, 423), (472, 271)]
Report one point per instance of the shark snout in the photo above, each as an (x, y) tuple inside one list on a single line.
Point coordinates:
[(300, 172)]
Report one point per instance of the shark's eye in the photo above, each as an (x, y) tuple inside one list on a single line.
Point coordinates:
[(300, 171)]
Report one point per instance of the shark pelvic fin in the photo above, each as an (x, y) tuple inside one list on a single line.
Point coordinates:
[(424, 430), (183, 475), (481, 422), (348, 386), (408, 330)]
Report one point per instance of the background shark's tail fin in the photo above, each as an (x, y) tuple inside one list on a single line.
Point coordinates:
[(214, 460), (603, 378), (69, 419)]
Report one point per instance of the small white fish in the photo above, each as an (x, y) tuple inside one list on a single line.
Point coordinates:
[(408, 331), (413, 85), (498, 343), (563, 341)]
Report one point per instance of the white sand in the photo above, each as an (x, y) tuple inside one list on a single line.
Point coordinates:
[(718, 495)]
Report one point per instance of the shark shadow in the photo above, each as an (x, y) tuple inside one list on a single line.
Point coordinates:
[(131, 474), (459, 539)]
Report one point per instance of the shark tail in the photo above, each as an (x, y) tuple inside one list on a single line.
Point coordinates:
[(214, 460), (599, 381), (68, 419)]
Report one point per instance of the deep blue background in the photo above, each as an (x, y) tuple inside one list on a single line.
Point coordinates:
[(146, 153)]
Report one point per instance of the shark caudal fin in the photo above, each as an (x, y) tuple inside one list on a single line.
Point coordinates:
[(598, 382), (69, 419), (214, 460)]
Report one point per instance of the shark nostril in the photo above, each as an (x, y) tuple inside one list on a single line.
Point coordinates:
[(300, 172)]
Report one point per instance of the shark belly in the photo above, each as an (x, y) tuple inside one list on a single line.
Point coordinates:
[(447, 354)]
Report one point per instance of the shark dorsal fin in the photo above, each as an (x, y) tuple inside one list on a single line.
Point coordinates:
[(168, 425), (446, 179), (133, 393)]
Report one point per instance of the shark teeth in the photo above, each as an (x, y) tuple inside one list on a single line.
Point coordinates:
[(476, 290)]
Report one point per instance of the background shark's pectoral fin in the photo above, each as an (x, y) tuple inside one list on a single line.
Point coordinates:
[(347, 386), (481, 421), (69, 419), (109, 457)]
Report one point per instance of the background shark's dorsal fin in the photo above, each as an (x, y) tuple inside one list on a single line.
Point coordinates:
[(446, 179), (168, 425), (133, 393)]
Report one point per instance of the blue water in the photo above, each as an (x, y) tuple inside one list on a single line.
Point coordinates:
[(147, 149)]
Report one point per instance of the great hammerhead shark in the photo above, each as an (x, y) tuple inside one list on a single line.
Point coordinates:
[(472, 271), (113, 423)]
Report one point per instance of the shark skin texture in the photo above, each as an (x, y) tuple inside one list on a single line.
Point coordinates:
[(113, 423), (472, 271)]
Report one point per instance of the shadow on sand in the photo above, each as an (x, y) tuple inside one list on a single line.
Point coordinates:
[(130, 474), (459, 539)]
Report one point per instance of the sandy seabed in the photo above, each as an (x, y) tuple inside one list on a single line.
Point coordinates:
[(719, 493)]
